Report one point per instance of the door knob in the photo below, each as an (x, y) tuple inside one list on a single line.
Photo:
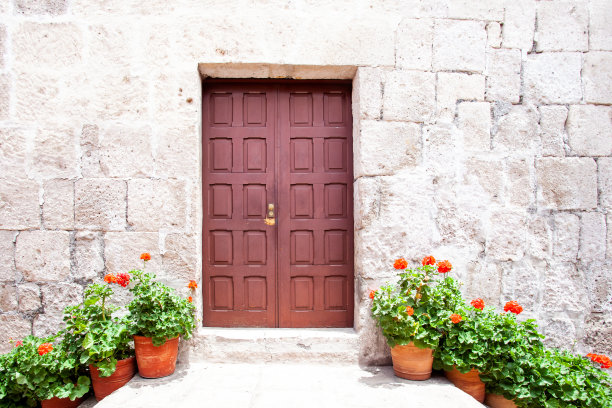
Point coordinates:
[(270, 215)]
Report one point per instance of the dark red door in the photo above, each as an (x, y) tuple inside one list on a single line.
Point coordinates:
[(284, 147)]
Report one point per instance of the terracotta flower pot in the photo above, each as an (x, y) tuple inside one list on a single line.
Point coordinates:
[(104, 386), (411, 362), (61, 402), (469, 383), (498, 401), (155, 361)]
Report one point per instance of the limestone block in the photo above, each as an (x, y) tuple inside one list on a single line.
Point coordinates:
[(459, 45), (100, 204), (590, 130), (553, 78), (56, 296), (13, 152), (367, 93), (567, 236), (597, 334), (539, 238), (386, 147), (32, 44), (5, 96), (567, 183), (597, 77), (409, 95), (88, 255), (47, 324), (523, 283), (518, 130), (520, 190), (597, 275), (562, 26), (12, 327), (600, 30), (519, 24), (155, 204), (592, 237), (90, 151), (110, 46), (474, 119), (58, 206), (483, 281), (552, 129), (609, 240), (557, 331), (176, 97), (122, 251), (494, 35), (485, 175), (503, 73), (459, 225), (117, 96), (38, 95), (176, 155), (453, 87), (29, 298), (367, 193), (19, 207), (180, 260), (126, 152), (475, 10), (43, 255), (440, 144), (7, 256), (55, 154), (8, 298), (414, 44), (604, 170), (2, 43), (506, 240), (38, 7)]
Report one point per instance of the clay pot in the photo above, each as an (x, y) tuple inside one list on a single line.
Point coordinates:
[(104, 386), (498, 401), (155, 361), (469, 383), (411, 362), (61, 402)]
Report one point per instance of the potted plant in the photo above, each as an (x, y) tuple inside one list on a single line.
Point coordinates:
[(414, 313), (101, 339), (38, 370), (158, 316)]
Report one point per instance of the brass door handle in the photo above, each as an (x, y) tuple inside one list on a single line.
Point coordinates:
[(270, 220)]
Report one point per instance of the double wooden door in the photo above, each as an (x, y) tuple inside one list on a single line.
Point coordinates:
[(278, 204)]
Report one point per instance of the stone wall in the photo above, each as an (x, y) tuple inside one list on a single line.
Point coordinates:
[(483, 135)]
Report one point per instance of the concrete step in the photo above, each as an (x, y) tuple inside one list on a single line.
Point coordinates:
[(239, 345)]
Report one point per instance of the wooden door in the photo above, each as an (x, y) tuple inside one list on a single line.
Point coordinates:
[(288, 144)]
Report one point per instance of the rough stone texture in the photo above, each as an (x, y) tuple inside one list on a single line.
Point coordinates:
[(176, 155), (122, 251), (609, 240), (7, 259), (551, 78), (486, 175), (19, 208), (367, 196), (522, 282), (598, 334), (519, 188), (483, 281), (590, 130), (100, 204), (453, 87), (414, 44), (58, 207), (600, 30), (2, 43), (557, 330), (43, 255), (8, 298), (567, 236), (592, 237), (474, 119), (12, 327), (178, 260), (552, 130), (32, 41), (56, 296), (459, 45), (597, 77), (519, 23), (517, 130), (36, 7), (90, 153), (599, 286), (562, 26), (54, 154), (503, 73), (604, 170), (13, 155), (156, 204), (367, 93), (30, 300), (494, 34), (409, 95), (4, 95), (507, 237), (567, 183), (561, 280), (88, 254), (119, 160)]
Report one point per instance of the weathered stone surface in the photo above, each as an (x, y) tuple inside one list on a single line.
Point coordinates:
[(539, 238), (522, 282), (520, 190), (2, 43), (409, 95), (517, 130), (111, 46), (473, 10), (12, 327), (506, 236), (494, 37), (33, 41), (453, 87), (552, 130), (609, 240), (483, 281), (597, 77), (590, 130), (486, 176), (122, 251), (38, 95), (519, 24), (8, 298), (56, 296), (597, 336), (47, 324), (58, 206), (367, 192), (440, 143), (459, 45), (117, 159), (90, 151), (55, 154), (7, 256), (13, 152), (367, 95), (88, 255), (600, 30), (100, 204), (597, 276), (562, 26), (503, 73), (557, 331), (36, 7), (29, 298), (5, 97), (179, 260), (385, 147), (592, 237), (176, 155), (124, 97), (19, 208), (414, 44), (567, 183), (567, 236), (43, 255), (458, 224), (551, 78), (474, 119), (156, 204)]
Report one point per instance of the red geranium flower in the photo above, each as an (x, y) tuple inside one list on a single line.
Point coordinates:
[(192, 284), (478, 303), (190, 299), (122, 279), (444, 266), (400, 264), (110, 278), (513, 307), (145, 256), (600, 359), (19, 343), (455, 318), (429, 260), (45, 348), (372, 294), (409, 311)]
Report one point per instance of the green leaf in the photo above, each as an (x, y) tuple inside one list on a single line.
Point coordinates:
[(88, 341)]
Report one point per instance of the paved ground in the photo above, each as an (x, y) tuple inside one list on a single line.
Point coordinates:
[(285, 385)]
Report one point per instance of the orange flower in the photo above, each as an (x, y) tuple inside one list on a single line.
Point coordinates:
[(372, 294), (192, 284), (400, 264), (478, 303), (444, 266), (122, 279), (429, 260), (455, 318), (190, 299), (409, 311), (513, 307), (45, 348), (600, 359), (145, 256), (110, 278)]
